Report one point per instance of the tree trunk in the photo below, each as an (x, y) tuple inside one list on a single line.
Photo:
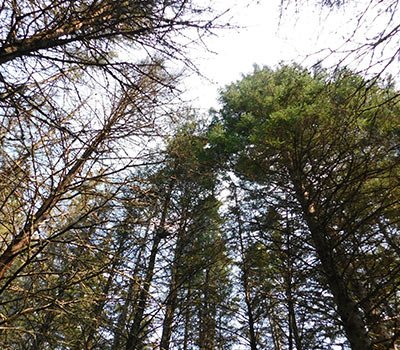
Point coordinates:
[(132, 291), (250, 319), (22, 239), (187, 331), (276, 333), (245, 281), (293, 329), (99, 306), (134, 341), (289, 258), (347, 308), (169, 311), (171, 301)]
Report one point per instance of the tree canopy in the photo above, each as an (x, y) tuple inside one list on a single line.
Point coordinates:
[(325, 148), (129, 223)]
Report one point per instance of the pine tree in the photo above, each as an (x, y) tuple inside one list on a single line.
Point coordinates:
[(332, 153)]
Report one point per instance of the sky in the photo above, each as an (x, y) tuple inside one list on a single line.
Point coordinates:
[(263, 37)]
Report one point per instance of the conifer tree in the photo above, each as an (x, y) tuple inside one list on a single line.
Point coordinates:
[(335, 154)]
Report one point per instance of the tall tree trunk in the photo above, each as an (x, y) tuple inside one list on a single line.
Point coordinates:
[(207, 316), (188, 327), (118, 332), (347, 308), (276, 333), (250, 317), (289, 258), (131, 297), (382, 338), (293, 328), (99, 306), (134, 341), (245, 279), (171, 301)]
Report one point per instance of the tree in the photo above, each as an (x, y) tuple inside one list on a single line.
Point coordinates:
[(334, 153), (83, 89), (199, 251), (281, 304), (62, 51)]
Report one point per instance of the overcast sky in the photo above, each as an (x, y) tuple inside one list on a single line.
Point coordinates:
[(264, 39)]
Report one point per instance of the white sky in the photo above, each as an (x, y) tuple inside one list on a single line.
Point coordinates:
[(265, 40)]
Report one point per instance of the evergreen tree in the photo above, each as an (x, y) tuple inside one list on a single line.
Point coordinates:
[(334, 153)]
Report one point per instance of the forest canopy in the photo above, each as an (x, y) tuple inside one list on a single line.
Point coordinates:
[(128, 222)]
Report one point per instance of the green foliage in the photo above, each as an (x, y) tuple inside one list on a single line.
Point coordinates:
[(189, 158), (326, 146), (270, 117)]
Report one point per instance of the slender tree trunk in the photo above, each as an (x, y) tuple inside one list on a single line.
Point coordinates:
[(276, 333), (118, 332), (186, 335), (171, 301), (207, 318), (99, 306), (289, 258), (131, 296), (293, 329), (245, 281), (250, 318), (134, 341), (169, 311)]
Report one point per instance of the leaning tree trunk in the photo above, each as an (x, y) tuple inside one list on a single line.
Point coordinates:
[(134, 340), (131, 298), (292, 319), (22, 240), (347, 308)]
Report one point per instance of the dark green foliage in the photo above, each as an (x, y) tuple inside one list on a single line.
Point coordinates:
[(326, 146)]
